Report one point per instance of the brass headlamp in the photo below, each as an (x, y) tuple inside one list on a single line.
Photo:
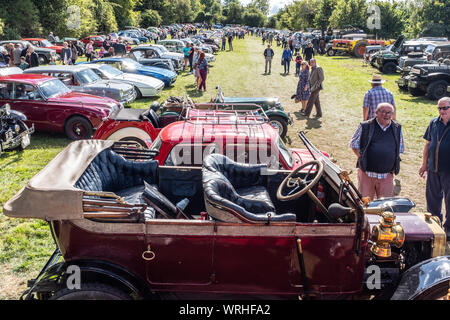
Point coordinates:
[(386, 233)]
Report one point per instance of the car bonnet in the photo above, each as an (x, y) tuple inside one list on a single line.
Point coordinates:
[(141, 79)]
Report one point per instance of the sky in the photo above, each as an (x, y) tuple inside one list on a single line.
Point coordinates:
[(275, 5)]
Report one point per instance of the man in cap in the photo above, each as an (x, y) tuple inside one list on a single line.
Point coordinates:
[(316, 79), (375, 96)]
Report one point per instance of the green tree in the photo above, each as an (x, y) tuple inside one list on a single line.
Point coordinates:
[(349, 12), (428, 18), (104, 16), (262, 5), (234, 12), (391, 20), (150, 18), (254, 18), (324, 11), (124, 12), (201, 17), (21, 19)]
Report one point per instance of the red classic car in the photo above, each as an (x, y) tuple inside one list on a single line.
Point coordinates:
[(98, 40), (128, 228), (144, 125), (51, 106), (44, 43), (187, 142)]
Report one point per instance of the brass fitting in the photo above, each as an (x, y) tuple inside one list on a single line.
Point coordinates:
[(385, 234)]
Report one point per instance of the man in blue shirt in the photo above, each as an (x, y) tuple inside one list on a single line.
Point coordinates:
[(375, 96), (286, 58), (436, 163)]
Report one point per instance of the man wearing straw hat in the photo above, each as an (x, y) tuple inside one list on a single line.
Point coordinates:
[(375, 96)]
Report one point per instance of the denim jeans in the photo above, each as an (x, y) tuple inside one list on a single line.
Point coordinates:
[(438, 188), (287, 64), (191, 58)]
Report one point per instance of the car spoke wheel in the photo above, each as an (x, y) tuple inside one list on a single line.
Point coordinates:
[(91, 291), (42, 60), (78, 128), (331, 52), (280, 124)]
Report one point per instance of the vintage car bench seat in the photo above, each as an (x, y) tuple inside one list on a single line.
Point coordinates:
[(134, 181), (235, 192)]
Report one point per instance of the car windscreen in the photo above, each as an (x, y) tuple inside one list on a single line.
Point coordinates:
[(285, 153), (430, 49), (156, 145), (88, 76), (162, 49), (110, 71), (54, 88), (46, 43), (131, 64)]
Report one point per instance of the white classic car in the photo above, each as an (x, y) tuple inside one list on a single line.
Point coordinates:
[(145, 86)]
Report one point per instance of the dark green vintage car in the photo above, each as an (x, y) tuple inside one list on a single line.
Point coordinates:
[(271, 106)]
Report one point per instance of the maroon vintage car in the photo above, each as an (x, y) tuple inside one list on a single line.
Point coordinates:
[(131, 229), (51, 106)]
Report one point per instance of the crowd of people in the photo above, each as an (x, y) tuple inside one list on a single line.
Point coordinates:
[(14, 55), (378, 141)]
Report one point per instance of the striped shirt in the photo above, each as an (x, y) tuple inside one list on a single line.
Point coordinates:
[(374, 97), (355, 144)]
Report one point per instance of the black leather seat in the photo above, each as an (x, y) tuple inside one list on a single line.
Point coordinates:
[(135, 181), (235, 192)]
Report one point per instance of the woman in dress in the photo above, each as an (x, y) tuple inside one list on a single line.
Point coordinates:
[(303, 89), (203, 68)]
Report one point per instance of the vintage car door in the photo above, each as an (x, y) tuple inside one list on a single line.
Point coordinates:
[(265, 259), (259, 259), (28, 100), (182, 248)]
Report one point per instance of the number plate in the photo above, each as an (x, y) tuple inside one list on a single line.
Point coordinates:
[(25, 141), (412, 84)]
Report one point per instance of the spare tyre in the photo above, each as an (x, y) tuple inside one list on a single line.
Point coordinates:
[(360, 49)]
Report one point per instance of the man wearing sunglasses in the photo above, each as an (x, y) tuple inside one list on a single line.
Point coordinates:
[(436, 163), (378, 143)]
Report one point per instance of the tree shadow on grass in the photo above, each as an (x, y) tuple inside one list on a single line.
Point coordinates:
[(195, 93), (421, 99), (299, 116)]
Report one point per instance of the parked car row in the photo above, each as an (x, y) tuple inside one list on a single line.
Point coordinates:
[(423, 65), (77, 99)]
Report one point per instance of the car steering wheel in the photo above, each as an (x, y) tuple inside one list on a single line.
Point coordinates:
[(296, 182)]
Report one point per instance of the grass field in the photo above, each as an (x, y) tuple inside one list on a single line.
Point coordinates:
[(25, 245)]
